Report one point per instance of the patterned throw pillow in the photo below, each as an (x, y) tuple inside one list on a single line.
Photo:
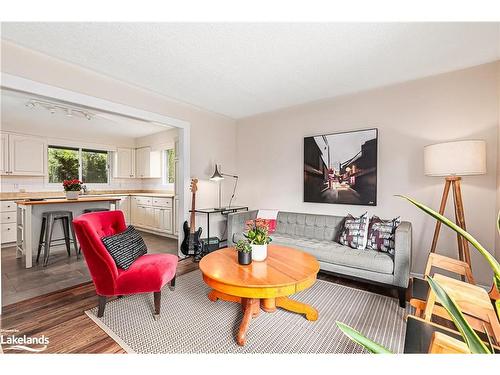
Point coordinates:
[(125, 247), (382, 233), (355, 232)]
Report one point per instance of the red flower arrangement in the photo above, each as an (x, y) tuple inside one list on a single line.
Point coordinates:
[(258, 231), (72, 185)]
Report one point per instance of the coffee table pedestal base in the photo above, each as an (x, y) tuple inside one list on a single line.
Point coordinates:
[(251, 308)]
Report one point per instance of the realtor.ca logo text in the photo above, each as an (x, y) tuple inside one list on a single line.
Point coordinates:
[(12, 342)]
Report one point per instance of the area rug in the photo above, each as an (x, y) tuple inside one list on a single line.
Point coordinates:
[(191, 323)]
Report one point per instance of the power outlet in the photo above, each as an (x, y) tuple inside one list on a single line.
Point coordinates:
[(16, 186)]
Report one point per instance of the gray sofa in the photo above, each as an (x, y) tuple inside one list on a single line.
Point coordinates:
[(316, 235)]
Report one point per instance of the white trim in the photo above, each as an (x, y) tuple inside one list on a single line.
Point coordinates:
[(9, 81), (17, 83)]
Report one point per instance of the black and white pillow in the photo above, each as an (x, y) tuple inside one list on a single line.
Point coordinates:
[(125, 247), (382, 234), (355, 232)]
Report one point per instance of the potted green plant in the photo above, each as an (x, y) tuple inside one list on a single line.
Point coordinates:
[(72, 188), (470, 337), (258, 237), (244, 252)]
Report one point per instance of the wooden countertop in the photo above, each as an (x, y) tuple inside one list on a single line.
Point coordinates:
[(60, 195), (155, 195), (79, 200)]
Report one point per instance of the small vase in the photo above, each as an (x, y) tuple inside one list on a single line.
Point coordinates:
[(72, 195), (259, 252), (244, 258)]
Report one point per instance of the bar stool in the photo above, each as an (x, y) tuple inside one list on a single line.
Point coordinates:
[(88, 210), (48, 220)]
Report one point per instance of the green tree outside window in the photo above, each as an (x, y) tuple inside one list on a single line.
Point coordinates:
[(64, 163)]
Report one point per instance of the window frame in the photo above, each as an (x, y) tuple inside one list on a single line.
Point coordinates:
[(80, 150), (165, 167)]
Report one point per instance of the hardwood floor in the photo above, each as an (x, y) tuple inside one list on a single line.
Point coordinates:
[(19, 283), (60, 317)]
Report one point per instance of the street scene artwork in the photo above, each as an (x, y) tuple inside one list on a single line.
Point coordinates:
[(341, 168)]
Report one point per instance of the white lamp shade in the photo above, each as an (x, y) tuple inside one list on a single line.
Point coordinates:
[(460, 158)]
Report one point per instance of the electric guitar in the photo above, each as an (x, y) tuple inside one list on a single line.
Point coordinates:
[(192, 245)]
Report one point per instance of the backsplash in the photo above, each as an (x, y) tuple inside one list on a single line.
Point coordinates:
[(11, 184)]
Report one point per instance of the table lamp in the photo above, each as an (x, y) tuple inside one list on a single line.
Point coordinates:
[(218, 177), (453, 160)]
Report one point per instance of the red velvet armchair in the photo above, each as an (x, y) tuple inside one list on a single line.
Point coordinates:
[(149, 273)]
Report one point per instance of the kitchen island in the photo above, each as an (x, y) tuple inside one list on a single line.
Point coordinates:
[(29, 219)]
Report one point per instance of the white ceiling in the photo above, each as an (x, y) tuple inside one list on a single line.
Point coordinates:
[(17, 116), (240, 69)]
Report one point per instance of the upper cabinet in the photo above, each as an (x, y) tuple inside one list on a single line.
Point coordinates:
[(22, 155), (4, 154), (124, 163), (139, 163), (147, 163)]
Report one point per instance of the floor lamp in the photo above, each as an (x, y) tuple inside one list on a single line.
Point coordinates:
[(218, 177), (453, 160)]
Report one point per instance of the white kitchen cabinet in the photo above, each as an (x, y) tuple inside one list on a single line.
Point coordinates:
[(166, 220), (154, 214), (144, 216), (148, 216), (4, 154), (156, 220), (142, 161), (147, 163), (8, 217), (23, 155), (133, 210), (124, 163), (162, 219), (124, 205), (140, 216)]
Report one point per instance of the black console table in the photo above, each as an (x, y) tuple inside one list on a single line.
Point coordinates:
[(224, 211)]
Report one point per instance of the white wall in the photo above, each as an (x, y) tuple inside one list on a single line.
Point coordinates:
[(458, 105), (497, 243), (212, 135)]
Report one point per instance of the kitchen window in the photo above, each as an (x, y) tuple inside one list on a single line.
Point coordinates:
[(168, 166), (94, 166), (67, 163)]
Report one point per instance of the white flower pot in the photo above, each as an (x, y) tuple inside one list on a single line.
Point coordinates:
[(72, 195), (259, 252)]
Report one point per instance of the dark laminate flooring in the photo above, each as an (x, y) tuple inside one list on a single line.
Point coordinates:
[(19, 283)]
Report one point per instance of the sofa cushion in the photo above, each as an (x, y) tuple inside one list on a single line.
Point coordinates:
[(332, 252), (355, 232), (320, 227), (382, 233)]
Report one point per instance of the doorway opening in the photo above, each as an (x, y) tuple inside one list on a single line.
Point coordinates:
[(50, 135)]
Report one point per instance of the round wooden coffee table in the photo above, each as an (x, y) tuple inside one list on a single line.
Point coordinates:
[(261, 285)]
